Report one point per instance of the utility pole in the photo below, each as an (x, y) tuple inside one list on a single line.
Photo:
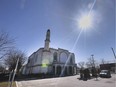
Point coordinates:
[(10, 76), (113, 53), (14, 72)]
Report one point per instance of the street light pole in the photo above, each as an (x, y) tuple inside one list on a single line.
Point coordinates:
[(113, 53), (92, 56), (115, 58)]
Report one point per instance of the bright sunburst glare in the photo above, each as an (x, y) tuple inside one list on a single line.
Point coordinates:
[(85, 22)]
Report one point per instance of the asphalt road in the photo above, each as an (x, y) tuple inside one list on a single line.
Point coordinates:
[(70, 81)]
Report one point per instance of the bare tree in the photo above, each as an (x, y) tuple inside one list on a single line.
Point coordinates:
[(2, 69), (88, 65), (81, 64), (12, 58), (91, 62), (103, 61), (5, 44)]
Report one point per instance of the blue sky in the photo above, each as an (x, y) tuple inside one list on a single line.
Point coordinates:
[(28, 20)]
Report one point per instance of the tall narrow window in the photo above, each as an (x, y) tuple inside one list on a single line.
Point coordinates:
[(55, 57), (71, 59), (29, 61)]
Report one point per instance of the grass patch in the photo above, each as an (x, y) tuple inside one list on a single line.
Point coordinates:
[(5, 84)]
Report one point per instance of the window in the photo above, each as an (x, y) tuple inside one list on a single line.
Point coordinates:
[(71, 59), (55, 57), (36, 57), (29, 61), (63, 57)]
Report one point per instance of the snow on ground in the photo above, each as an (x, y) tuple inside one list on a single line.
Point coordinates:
[(70, 81)]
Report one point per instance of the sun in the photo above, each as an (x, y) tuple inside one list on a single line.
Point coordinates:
[(85, 22)]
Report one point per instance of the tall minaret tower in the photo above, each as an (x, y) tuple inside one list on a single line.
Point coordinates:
[(47, 40)]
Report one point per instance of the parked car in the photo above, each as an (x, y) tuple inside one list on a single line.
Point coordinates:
[(105, 73)]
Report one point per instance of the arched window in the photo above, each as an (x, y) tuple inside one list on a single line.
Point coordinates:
[(55, 57), (70, 70), (63, 57), (59, 70)]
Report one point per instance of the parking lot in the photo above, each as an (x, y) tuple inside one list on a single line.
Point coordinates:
[(70, 81)]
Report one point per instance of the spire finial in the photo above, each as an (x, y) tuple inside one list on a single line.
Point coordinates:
[(48, 35), (47, 40)]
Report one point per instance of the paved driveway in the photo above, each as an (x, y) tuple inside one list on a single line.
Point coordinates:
[(70, 81)]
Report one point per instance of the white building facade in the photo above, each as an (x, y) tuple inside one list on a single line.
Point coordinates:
[(59, 62)]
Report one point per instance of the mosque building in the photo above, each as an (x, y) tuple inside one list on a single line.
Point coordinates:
[(50, 61)]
